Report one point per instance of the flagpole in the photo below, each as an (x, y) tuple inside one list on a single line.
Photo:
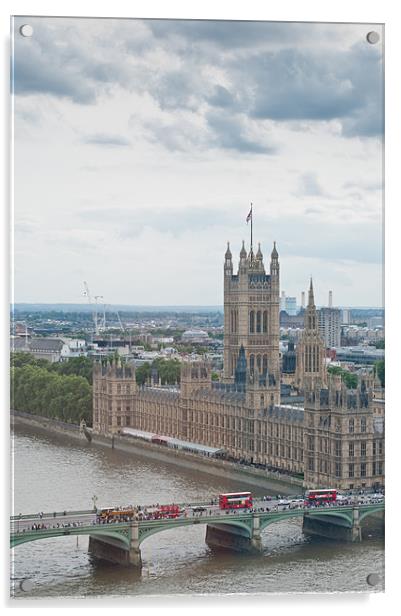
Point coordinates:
[(251, 231)]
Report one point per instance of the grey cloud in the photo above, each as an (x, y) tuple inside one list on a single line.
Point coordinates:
[(303, 85), (105, 139), (221, 97), (281, 82), (230, 34), (230, 133), (59, 62)]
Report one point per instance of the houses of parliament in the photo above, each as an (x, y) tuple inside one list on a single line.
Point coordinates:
[(332, 435)]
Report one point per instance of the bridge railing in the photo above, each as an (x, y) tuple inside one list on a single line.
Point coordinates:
[(53, 514), (204, 503)]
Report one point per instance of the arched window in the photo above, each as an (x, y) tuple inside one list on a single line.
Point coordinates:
[(252, 363), (259, 362), (252, 322), (265, 321), (264, 364), (258, 321)]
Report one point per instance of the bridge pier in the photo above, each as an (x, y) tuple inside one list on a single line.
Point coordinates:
[(236, 538), (331, 527), (114, 551)]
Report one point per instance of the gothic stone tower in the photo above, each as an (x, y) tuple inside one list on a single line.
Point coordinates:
[(310, 367), (251, 316), (114, 389)]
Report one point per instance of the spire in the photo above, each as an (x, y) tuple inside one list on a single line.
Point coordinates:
[(274, 254), (242, 254), (228, 254), (311, 300), (259, 254)]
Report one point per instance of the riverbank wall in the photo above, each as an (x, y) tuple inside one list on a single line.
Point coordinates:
[(220, 468)]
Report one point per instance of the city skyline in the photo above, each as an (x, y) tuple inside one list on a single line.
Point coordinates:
[(137, 157)]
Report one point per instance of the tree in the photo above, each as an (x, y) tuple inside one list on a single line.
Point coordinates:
[(350, 379), (142, 373)]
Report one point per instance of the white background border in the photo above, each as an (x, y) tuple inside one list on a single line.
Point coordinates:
[(383, 11)]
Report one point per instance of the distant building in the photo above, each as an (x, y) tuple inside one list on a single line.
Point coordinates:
[(346, 316), (291, 306), (330, 326), (376, 322), (48, 348), (361, 355), (196, 336)]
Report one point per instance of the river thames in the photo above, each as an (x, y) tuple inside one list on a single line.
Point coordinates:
[(54, 472)]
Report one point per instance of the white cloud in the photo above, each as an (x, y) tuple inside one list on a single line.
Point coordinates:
[(142, 152)]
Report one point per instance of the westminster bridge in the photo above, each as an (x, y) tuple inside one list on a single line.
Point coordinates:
[(120, 541)]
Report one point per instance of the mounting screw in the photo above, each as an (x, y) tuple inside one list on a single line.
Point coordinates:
[(26, 30), (373, 37), (372, 579)]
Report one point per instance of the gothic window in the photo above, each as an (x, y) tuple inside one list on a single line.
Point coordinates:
[(252, 322), (338, 426), (350, 470), (351, 450), (264, 364), (338, 469), (258, 321), (363, 449), (363, 469), (351, 426), (259, 363), (252, 363), (363, 424), (337, 449), (262, 401), (265, 321), (119, 389)]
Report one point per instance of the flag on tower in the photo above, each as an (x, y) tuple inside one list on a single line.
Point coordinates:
[(249, 217)]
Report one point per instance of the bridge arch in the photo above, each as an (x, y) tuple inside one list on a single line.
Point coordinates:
[(121, 534), (365, 514), (153, 528)]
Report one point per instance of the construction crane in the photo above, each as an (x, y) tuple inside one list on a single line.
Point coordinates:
[(120, 322), (94, 305)]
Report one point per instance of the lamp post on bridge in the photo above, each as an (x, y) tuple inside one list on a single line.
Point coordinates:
[(94, 499)]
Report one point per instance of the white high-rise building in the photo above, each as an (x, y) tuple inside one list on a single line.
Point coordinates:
[(330, 326)]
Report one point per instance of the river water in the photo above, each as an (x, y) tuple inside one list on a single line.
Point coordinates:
[(54, 472)]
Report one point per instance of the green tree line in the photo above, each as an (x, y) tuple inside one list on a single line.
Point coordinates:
[(169, 371), (59, 391)]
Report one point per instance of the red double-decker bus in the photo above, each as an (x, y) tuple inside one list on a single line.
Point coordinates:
[(318, 496), (169, 511), (235, 500)]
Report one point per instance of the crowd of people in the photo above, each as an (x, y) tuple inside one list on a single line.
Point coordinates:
[(157, 511)]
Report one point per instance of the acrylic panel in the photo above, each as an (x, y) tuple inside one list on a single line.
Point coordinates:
[(197, 320)]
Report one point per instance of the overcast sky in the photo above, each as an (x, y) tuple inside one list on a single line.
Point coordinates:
[(139, 146)]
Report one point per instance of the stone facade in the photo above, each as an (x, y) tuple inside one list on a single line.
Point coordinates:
[(336, 439)]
